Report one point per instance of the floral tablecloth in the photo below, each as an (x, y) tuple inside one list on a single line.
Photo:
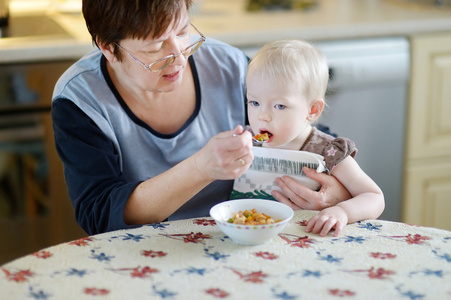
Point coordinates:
[(192, 259)]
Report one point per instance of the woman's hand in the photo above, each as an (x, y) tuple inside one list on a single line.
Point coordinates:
[(298, 196), (226, 155), (330, 218)]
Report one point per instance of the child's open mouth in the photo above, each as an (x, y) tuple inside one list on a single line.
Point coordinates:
[(262, 137)]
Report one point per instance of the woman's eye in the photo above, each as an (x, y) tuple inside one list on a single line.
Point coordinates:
[(153, 52), (280, 106), (184, 34)]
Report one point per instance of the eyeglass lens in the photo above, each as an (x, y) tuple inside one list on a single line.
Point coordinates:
[(163, 63)]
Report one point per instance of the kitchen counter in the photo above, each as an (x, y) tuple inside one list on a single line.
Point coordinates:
[(227, 20)]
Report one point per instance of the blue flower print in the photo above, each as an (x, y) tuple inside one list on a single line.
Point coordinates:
[(354, 239), (215, 255), (132, 237), (306, 273), (368, 226), (38, 295), (329, 258), (163, 293), (410, 294), (282, 295), (158, 225), (193, 270), (75, 272), (446, 256), (128, 237), (101, 256), (428, 272)]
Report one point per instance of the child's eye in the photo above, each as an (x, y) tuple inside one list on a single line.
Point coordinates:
[(253, 103), (280, 106)]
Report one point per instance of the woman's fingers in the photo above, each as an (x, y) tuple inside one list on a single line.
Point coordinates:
[(296, 193), (227, 155)]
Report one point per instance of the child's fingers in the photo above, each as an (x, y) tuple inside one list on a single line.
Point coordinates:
[(327, 226), (314, 224), (339, 228), (319, 224), (310, 224)]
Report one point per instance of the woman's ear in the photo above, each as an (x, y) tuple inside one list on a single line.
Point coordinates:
[(316, 108), (108, 51)]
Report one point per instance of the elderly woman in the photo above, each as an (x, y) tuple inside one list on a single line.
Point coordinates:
[(149, 125)]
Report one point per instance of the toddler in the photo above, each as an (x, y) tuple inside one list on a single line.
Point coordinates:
[(286, 86)]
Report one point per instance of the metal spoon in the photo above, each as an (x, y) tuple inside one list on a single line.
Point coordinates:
[(247, 128)]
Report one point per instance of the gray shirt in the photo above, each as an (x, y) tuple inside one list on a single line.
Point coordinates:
[(137, 151)]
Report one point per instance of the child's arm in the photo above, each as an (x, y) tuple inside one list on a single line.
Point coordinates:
[(367, 202)]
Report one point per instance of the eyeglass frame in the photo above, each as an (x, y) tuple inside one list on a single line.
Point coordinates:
[(171, 57)]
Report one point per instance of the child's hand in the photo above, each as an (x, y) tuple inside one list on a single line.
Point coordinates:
[(332, 217)]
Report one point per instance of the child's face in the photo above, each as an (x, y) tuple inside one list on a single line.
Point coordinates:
[(279, 108)]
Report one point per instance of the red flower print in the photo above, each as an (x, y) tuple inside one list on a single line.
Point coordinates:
[(19, 276), (153, 254), (416, 239), (218, 293), (379, 273), (301, 242), (81, 242), (382, 255), (302, 223), (138, 272), (142, 272), (96, 292), (412, 239), (190, 237), (42, 254), (204, 222), (254, 277), (265, 255), (341, 293), (376, 273)]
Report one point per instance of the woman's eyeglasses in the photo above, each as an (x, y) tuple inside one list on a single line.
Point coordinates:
[(166, 61)]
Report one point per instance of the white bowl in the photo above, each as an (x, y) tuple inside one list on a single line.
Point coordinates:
[(251, 234)]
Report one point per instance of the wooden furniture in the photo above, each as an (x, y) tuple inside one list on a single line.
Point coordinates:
[(43, 214), (427, 185)]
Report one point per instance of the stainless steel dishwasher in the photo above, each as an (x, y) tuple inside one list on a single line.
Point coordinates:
[(366, 102)]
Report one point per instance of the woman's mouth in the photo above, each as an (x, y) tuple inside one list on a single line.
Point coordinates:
[(172, 76)]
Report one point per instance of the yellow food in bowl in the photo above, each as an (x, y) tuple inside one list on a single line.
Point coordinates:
[(251, 217)]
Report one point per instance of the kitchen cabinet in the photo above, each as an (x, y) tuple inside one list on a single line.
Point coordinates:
[(427, 185), (35, 210)]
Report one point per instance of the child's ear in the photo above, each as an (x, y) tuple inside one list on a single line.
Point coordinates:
[(316, 108)]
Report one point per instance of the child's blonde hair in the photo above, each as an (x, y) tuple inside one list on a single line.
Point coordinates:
[(294, 61)]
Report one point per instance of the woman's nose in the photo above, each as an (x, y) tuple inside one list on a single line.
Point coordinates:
[(172, 45)]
